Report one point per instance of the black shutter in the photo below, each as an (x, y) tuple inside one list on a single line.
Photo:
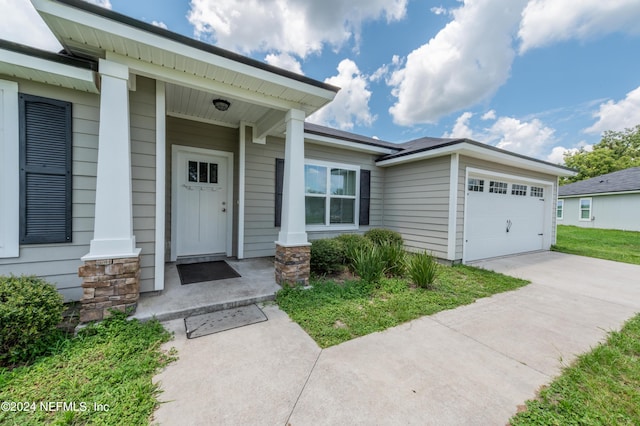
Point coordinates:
[(279, 185), (45, 170), (365, 196)]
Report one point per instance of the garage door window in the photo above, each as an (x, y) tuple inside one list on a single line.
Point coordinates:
[(496, 187), (517, 189), (476, 185), (585, 208), (537, 191)]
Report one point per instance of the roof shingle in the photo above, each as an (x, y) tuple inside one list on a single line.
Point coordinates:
[(620, 181)]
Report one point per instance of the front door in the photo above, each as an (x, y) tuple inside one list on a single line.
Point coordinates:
[(202, 190)]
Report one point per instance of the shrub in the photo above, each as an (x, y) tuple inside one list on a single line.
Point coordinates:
[(368, 264), (423, 269), (381, 236), (327, 256), (353, 242), (30, 309), (394, 258)]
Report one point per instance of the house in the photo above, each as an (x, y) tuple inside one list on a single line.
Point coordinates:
[(610, 201), (138, 146)]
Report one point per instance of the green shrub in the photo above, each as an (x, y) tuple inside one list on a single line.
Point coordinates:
[(394, 258), (327, 256), (353, 242), (381, 236), (423, 269), (30, 309), (368, 264)]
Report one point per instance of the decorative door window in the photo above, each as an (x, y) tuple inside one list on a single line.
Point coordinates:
[(202, 172)]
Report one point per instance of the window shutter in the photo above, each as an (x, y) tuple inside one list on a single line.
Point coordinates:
[(45, 170), (279, 185), (365, 196)]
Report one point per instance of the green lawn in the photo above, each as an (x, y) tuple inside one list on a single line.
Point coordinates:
[(600, 388), (103, 376), (332, 313), (610, 244)]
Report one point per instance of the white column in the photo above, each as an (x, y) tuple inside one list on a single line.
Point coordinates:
[(161, 115), (292, 230), (113, 229)]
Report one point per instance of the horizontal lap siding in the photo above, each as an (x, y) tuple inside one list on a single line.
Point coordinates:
[(58, 263), (616, 211), (200, 135), (416, 204), (143, 175)]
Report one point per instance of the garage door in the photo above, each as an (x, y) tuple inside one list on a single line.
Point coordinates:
[(503, 217)]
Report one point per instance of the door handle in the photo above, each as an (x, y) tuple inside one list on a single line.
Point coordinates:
[(224, 210)]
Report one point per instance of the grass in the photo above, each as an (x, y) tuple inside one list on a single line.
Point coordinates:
[(332, 313), (610, 244), (111, 364), (600, 388)]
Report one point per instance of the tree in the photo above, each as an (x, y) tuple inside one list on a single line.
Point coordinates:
[(615, 151)]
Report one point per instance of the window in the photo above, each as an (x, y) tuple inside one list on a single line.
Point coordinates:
[(475, 185), (202, 172), (330, 194), (517, 189), (496, 187), (537, 191), (585, 208), (45, 170), (560, 209)]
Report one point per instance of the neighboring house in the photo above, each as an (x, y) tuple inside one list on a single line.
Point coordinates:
[(610, 201), (139, 146)]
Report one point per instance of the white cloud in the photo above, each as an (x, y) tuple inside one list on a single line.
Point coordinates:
[(547, 21), (466, 62), (351, 104), (383, 71), (102, 3), (300, 27), (438, 10), (159, 24), (489, 115), (24, 25), (557, 153), (284, 61), (617, 115), (461, 128)]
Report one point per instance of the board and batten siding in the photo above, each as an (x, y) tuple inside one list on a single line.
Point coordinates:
[(200, 135), (260, 233), (416, 204), (58, 263), (613, 211), (466, 162)]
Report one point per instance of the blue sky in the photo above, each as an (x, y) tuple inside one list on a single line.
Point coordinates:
[(537, 77)]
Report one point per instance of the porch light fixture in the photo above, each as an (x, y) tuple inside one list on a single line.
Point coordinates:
[(221, 104)]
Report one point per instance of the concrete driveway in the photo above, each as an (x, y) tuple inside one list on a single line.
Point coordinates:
[(471, 365)]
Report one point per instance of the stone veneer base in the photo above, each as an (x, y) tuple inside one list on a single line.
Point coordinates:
[(292, 265), (109, 284)]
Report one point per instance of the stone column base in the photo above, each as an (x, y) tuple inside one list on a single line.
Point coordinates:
[(109, 284), (293, 265)]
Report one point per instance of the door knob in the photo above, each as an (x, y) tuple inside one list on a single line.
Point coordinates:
[(224, 210)]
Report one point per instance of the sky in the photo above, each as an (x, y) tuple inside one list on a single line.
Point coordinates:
[(536, 77)]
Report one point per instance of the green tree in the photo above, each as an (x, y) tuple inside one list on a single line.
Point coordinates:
[(615, 151)]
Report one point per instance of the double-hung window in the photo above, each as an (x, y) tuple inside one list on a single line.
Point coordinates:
[(585, 209), (331, 195), (560, 209)]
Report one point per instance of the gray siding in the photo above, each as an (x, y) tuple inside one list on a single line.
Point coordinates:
[(200, 135), (416, 204), (58, 263), (615, 211)]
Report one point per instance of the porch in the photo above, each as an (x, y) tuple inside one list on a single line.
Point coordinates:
[(255, 284)]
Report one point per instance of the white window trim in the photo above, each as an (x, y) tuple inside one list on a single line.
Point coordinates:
[(9, 170), (590, 209), (356, 213), (561, 204)]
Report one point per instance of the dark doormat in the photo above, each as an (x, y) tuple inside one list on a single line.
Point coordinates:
[(215, 322), (205, 271)]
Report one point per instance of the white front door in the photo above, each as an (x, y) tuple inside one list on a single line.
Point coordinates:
[(202, 196)]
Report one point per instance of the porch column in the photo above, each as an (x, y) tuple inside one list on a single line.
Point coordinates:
[(112, 268), (292, 247)]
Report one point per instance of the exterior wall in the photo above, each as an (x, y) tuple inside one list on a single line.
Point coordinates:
[(610, 212), (58, 263), (500, 168), (416, 204), (260, 232), (200, 135)]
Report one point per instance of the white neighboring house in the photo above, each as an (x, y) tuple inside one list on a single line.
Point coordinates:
[(610, 201), (138, 146)]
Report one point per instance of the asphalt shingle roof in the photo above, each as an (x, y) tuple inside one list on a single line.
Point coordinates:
[(620, 181)]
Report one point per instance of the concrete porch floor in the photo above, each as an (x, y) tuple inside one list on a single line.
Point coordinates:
[(256, 284)]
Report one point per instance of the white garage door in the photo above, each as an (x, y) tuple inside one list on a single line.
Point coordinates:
[(503, 217)]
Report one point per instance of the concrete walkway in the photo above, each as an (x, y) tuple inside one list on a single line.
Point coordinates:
[(471, 365)]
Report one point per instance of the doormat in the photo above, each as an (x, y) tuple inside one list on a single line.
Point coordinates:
[(205, 271), (215, 322)]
